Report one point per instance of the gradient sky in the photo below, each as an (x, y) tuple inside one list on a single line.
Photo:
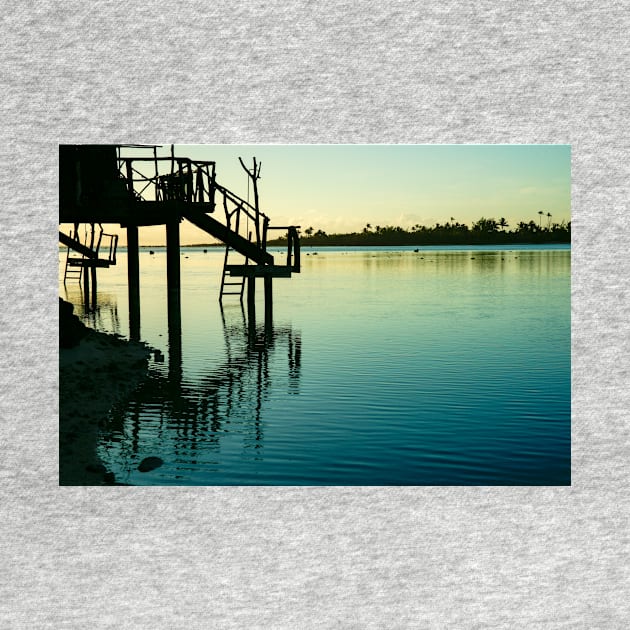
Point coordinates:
[(341, 188)]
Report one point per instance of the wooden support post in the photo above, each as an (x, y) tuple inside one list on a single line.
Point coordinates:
[(251, 300), (86, 289), (133, 280), (296, 251), (265, 230), (254, 175), (93, 274), (173, 276), (268, 306), (289, 246), (268, 298), (174, 349)]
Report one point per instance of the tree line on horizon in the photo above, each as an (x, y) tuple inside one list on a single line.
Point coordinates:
[(484, 232)]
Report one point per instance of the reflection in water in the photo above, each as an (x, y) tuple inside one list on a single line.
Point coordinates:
[(422, 368), (104, 316), (466, 262), (187, 418)]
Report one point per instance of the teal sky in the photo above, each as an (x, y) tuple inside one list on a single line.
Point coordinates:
[(340, 188)]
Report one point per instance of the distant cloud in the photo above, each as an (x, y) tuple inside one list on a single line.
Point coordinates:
[(408, 220)]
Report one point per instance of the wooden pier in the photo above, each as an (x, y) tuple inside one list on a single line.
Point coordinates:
[(98, 185)]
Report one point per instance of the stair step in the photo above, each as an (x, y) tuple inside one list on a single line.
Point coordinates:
[(88, 262)]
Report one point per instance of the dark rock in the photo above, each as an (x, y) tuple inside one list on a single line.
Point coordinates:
[(71, 328), (150, 463)]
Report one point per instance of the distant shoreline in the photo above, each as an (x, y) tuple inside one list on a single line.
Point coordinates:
[(306, 243)]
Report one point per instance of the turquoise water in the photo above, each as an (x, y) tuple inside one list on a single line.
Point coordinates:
[(382, 367)]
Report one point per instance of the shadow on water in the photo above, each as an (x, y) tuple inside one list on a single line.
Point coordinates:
[(185, 418)]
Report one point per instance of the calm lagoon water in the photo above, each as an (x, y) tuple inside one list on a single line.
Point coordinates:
[(382, 367)]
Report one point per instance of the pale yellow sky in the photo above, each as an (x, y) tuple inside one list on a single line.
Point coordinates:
[(340, 188)]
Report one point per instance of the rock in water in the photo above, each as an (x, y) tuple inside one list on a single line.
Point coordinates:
[(150, 463)]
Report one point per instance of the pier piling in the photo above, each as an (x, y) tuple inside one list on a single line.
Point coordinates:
[(268, 298), (93, 274), (251, 298), (173, 269), (133, 280)]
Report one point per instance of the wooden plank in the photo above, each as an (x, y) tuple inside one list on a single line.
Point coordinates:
[(88, 262), (259, 271)]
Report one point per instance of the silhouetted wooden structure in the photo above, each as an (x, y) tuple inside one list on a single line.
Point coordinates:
[(98, 185)]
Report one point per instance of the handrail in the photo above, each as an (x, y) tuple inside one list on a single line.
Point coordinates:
[(235, 199)]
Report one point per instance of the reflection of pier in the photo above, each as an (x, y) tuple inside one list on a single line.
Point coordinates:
[(98, 186), (104, 315), (227, 398)]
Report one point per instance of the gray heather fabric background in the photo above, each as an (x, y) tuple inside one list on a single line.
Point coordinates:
[(327, 72)]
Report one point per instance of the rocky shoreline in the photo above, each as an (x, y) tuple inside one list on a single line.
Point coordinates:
[(96, 371)]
